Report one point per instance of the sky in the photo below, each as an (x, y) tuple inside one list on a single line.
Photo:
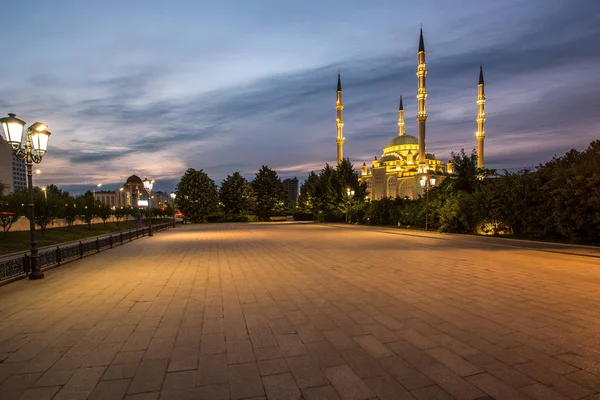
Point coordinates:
[(156, 87)]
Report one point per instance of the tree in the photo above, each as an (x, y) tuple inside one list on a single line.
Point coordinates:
[(196, 195), (308, 201), (119, 214), (48, 207), (270, 193), (70, 211), (236, 195), (87, 209), (104, 212), (12, 207)]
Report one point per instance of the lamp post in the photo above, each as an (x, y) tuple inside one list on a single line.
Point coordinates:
[(173, 195), (350, 194), (32, 151), (94, 190), (426, 183), (45, 193), (148, 186)]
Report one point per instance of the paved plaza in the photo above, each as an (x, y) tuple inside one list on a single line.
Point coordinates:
[(307, 311)]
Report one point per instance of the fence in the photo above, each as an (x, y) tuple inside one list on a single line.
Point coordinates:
[(17, 266)]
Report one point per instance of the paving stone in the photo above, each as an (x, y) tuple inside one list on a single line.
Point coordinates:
[(239, 351), (244, 381), (431, 393), (387, 388), (120, 371), (281, 387), (554, 380), (81, 384), (362, 363), (272, 367), (110, 390), (456, 363), (539, 391), (213, 343), (347, 383), (325, 354), (40, 393), (495, 387), (212, 369), (374, 347), (320, 393), (510, 375), (405, 373), (149, 376), (306, 371)]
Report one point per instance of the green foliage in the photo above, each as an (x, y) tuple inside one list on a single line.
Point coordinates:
[(270, 193), (12, 207), (120, 213), (325, 195), (87, 208), (104, 212), (558, 200), (196, 195), (70, 211), (48, 207), (237, 196)]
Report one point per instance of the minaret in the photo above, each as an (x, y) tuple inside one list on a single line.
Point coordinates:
[(339, 121), (421, 97), (480, 134), (401, 129)]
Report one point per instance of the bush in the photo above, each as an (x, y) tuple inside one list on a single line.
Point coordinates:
[(302, 217), (215, 217)]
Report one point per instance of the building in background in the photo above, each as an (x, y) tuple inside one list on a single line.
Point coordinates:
[(13, 173), (291, 187), (405, 165), (131, 194)]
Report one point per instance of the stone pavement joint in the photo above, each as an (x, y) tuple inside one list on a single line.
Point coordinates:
[(291, 311)]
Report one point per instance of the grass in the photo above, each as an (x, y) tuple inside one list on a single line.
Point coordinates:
[(19, 241)]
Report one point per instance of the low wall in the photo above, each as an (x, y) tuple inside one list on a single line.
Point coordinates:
[(23, 223)]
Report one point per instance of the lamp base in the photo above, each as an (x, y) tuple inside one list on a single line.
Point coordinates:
[(36, 275)]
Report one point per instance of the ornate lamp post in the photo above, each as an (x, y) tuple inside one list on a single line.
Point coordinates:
[(427, 184), (148, 184), (173, 195), (32, 151), (350, 194)]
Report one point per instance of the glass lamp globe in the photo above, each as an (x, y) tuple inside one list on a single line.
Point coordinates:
[(13, 128)]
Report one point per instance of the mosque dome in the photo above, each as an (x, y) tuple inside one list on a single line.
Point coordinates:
[(390, 157), (403, 140), (134, 179)]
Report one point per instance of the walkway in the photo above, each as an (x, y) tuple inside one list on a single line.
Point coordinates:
[(285, 311)]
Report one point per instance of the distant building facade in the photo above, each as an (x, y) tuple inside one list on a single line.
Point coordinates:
[(291, 187), (13, 172), (131, 194)]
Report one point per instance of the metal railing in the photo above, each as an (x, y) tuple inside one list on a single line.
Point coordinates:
[(17, 266)]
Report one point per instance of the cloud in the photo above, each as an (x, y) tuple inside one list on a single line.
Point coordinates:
[(267, 96)]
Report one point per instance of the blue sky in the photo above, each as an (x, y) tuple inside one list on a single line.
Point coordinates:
[(156, 87)]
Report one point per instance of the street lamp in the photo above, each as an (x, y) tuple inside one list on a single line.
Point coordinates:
[(45, 193), (350, 194), (32, 151), (173, 195), (148, 184), (426, 184), (94, 191)]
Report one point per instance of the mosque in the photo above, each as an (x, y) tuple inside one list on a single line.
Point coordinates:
[(405, 168)]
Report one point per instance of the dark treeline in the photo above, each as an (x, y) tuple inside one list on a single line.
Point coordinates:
[(237, 200), (57, 204), (558, 200)]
